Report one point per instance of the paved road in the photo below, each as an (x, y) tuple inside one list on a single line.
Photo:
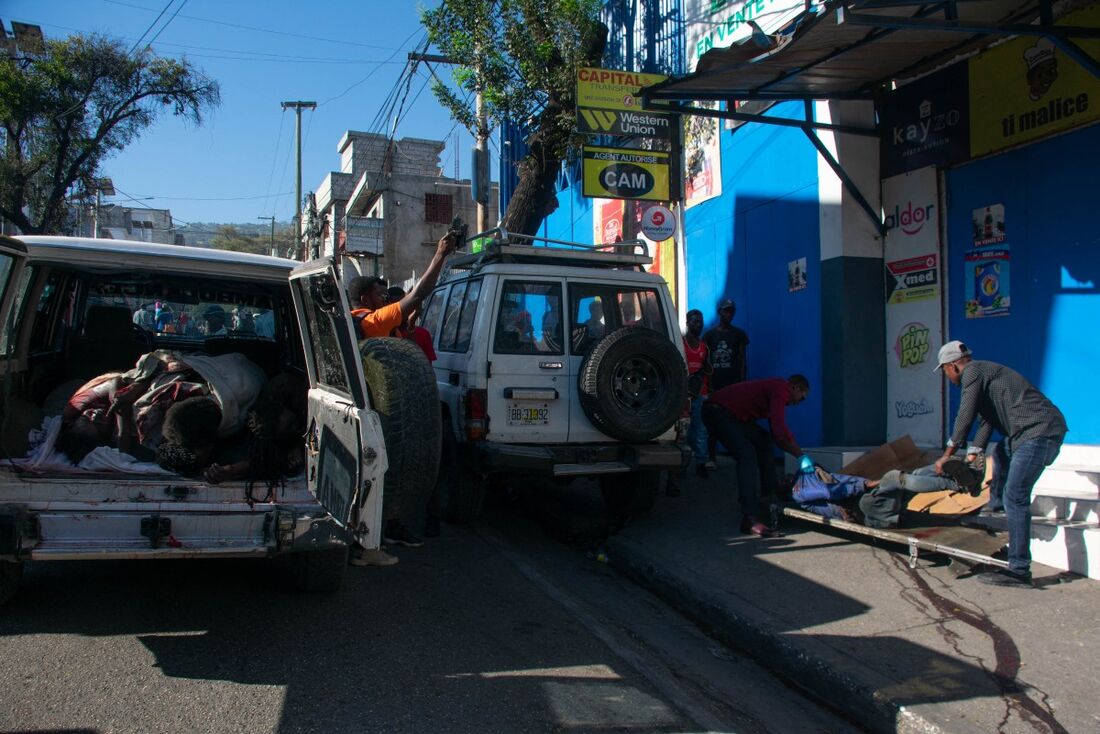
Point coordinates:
[(491, 628)]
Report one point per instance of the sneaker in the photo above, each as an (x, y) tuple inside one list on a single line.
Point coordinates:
[(398, 534), (752, 526), (1006, 578), (992, 514), (967, 478), (711, 465), (371, 557)]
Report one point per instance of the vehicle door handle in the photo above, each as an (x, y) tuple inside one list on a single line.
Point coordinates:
[(551, 365)]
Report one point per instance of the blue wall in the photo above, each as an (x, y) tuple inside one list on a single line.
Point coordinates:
[(739, 244), (1051, 194)]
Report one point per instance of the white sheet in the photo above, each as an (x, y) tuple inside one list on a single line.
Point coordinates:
[(44, 457)]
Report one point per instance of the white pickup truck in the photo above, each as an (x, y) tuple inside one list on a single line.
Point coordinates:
[(72, 309)]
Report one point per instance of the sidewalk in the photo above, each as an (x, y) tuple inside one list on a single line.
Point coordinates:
[(896, 649)]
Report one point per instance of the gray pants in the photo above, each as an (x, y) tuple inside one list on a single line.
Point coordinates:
[(882, 506)]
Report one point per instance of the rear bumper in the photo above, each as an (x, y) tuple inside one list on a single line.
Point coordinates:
[(578, 460), (168, 530)]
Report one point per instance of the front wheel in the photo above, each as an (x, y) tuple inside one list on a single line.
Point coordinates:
[(630, 494), (11, 573)]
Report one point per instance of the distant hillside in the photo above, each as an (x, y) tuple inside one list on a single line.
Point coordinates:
[(199, 234)]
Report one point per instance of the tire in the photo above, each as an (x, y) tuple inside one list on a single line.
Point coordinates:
[(626, 495), (633, 384), (320, 571), (11, 573), (403, 392)]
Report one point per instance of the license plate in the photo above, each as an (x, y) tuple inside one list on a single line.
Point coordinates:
[(526, 414)]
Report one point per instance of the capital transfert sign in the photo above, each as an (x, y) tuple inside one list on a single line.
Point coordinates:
[(623, 173), (609, 89)]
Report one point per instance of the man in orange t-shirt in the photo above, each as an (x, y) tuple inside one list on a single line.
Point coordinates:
[(369, 301)]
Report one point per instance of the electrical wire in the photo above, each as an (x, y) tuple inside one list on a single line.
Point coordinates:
[(166, 24), (155, 21), (389, 58), (275, 156)]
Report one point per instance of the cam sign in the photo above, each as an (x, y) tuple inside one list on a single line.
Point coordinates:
[(722, 23), (624, 173)]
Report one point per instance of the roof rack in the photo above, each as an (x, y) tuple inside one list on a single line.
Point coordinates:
[(509, 247)]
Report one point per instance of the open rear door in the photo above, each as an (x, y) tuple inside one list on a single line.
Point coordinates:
[(345, 449), (13, 256)]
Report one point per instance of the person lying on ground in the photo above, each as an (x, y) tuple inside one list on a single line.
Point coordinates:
[(876, 503)]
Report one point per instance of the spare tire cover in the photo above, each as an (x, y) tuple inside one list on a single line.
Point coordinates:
[(633, 384)]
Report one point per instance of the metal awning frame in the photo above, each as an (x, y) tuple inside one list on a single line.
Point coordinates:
[(882, 26)]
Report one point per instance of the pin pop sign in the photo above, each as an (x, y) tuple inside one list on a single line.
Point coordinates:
[(658, 224)]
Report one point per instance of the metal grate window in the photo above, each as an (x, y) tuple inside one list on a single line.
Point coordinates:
[(438, 208)]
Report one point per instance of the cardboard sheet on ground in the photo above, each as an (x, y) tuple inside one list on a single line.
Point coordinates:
[(904, 454)]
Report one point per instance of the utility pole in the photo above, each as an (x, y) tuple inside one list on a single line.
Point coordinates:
[(271, 249), (298, 107), (480, 175)]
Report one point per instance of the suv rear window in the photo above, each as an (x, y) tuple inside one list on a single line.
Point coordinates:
[(600, 309), (529, 319)]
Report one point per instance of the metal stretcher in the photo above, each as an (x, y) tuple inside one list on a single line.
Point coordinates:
[(971, 544)]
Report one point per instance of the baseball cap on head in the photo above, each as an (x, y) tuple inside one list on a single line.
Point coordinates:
[(951, 351), (726, 304)]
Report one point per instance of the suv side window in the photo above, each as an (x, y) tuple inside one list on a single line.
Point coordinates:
[(449, 334), (431, 313), (466, 318), (529, 319), (600, 309)]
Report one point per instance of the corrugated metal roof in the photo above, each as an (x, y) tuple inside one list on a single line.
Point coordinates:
[(817, 56)]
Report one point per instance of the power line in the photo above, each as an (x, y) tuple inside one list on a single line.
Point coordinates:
[(275, 157), (155, 21), (372, 71), (255, 28), (166, 24)]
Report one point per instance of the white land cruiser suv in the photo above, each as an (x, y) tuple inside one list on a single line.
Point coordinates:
[(557, 360), (72, 309)]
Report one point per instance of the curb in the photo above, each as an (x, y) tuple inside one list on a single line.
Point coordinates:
[(795, 664)]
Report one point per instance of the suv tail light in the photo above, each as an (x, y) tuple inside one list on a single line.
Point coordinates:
[(477, 421)]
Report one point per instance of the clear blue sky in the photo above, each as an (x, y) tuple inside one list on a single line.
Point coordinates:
[(347, 55)]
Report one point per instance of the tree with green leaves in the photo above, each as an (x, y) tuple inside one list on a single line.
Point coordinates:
[(67, 109), (523, 55)]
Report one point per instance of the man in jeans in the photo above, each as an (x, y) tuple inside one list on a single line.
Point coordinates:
[(1002, 399), (730, 415)]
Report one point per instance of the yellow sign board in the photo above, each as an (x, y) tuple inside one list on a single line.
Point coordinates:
[(1028, 88), (608, 89), (623, 173)]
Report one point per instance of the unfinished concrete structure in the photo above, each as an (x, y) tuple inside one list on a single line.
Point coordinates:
[(389, 204)]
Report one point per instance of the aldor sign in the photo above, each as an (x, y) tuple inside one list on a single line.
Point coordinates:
[(622, 173), (910, 218), (658, 224)]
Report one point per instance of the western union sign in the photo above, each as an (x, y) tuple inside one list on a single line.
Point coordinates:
[(621, 122), (623, 173), (608, 89)]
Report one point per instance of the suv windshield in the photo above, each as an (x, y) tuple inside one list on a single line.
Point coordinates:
[(190, 314)]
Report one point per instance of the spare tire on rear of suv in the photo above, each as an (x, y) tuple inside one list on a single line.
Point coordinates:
[(402, 389), (633, 384)]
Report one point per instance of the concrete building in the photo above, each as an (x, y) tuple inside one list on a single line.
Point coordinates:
[(389, 204), (129, 223)]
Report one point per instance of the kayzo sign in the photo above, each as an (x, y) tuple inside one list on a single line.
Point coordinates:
[(722, 23), (622, 173)]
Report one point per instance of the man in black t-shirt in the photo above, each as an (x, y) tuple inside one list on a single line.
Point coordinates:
[(727, 345)]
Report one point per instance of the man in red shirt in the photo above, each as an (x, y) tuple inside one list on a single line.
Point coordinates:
[(698, 364), (369, 302), (730, 415)]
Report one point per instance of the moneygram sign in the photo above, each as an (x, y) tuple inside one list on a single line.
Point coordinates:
[(607, 104), (622, 173)]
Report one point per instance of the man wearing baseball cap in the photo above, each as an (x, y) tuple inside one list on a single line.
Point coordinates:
[(1032, 427)]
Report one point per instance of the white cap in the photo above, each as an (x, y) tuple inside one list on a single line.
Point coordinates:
[(950, 352)]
